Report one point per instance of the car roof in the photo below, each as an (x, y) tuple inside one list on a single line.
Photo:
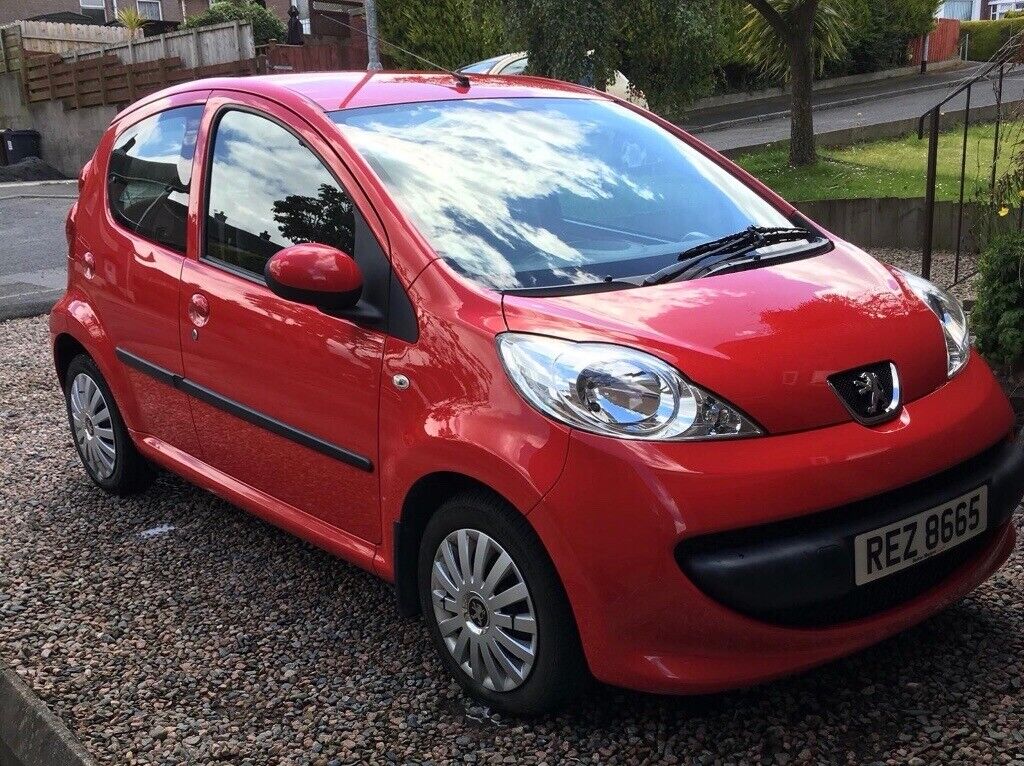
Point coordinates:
[(331, 91)]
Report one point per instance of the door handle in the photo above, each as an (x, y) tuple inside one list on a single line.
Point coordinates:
[(88, 264), (198, 310)]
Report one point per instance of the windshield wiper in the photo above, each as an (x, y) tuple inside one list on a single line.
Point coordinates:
[(707, 257)]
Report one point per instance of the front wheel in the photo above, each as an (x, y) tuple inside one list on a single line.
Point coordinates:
[(496, 609)]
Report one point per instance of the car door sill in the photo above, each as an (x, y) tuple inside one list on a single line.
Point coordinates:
[(287, 517)]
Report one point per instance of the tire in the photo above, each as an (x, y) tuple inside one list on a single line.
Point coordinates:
[(477, 619), (98, 429)]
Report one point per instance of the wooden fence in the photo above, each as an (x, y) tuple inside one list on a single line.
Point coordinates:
[(215, 44), (10, 48), (107, 80), (56, 37), (312, 57), (943, 42)]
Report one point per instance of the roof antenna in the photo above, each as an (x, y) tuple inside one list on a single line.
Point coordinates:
[(460, 78)]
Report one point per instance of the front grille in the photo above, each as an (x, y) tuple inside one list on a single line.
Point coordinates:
[(885, 593)]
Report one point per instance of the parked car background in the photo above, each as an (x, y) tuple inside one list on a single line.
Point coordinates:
[(515, 63)]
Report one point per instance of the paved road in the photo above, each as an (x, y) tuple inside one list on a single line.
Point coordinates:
[(880, 109), (756, 110), (33, 250)]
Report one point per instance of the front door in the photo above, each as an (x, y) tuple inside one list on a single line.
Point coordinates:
[(284, 396)]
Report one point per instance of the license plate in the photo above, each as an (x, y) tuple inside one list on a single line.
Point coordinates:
[(903, 543)]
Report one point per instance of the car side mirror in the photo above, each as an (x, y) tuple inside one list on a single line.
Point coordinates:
[(315, 274)]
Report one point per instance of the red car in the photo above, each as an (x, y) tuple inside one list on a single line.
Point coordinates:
[(593, 398)]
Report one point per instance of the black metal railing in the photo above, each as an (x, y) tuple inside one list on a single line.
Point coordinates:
[(1005, 60)]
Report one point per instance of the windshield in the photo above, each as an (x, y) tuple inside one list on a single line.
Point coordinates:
[(548, 192), (481, 67)]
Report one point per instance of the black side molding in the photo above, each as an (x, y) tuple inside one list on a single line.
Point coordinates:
[(243, 412)]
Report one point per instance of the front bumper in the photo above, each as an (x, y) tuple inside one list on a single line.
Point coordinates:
[(614, 520), (763, 571)]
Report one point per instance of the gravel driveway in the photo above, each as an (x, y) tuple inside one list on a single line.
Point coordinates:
[(172, 628)]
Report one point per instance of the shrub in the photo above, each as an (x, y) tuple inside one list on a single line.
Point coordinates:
[(265, 25), (985, 38), (998, 315), (668, 50), (571, 40), (451, 33), (880, 32)]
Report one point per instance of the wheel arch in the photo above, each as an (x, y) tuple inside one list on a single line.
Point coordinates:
[(77, 329), (422, 500), (65, 348)]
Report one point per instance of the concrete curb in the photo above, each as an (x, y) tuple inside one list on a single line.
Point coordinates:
[(19, 184), (714, 102), (31, 305), (853, 101), (860, 133), (30, 735)]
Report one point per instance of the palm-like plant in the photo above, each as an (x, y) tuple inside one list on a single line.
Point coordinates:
[(766, 50), (131, 20)]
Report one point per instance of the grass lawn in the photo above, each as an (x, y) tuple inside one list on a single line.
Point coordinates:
[(887, 168)]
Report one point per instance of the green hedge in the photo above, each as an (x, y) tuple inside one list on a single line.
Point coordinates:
[(998, 315), (985, 38)]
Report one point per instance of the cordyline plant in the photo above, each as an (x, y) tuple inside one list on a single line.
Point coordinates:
[(792, 40), (131, 20)]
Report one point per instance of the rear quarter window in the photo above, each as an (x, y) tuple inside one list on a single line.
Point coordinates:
[(150, 174)]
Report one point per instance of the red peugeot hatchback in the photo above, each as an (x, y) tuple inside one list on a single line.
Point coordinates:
[(593, 398)]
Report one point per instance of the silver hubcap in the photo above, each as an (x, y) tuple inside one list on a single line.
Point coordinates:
[(483, 609), (94, 431)]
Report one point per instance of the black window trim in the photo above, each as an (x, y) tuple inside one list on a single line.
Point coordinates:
[(118, 221), (211, 139), (399, 317)]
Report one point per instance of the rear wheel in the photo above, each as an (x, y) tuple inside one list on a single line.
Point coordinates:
[(496, 609), (107, 452)]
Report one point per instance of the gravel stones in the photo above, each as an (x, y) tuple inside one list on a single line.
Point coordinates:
[(223, 640)]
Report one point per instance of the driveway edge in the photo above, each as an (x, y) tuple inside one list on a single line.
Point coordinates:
[(30, 735)]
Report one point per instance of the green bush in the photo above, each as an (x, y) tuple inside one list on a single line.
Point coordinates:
[(451, 33), (668, 49), (265, 25), (571, 40), (880, 31), (985, 38), (998, 315), (878, 34)]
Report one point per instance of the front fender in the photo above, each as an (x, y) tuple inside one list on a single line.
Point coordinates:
[(459, 413)]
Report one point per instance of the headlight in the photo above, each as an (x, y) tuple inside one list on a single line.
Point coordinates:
[(951, 317), (616, 391)]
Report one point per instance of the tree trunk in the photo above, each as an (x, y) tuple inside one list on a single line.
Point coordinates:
[(802, 119), (372, 47), (801, 133)]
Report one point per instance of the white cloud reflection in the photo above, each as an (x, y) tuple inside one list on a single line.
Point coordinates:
[(517, 190), (255, 164)]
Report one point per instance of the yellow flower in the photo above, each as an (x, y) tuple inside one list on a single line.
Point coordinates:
[(1004, 211), (1021, 193)]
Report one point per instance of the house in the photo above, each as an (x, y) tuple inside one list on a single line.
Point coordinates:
[(997, 9), (103, 11), (972, 10)]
